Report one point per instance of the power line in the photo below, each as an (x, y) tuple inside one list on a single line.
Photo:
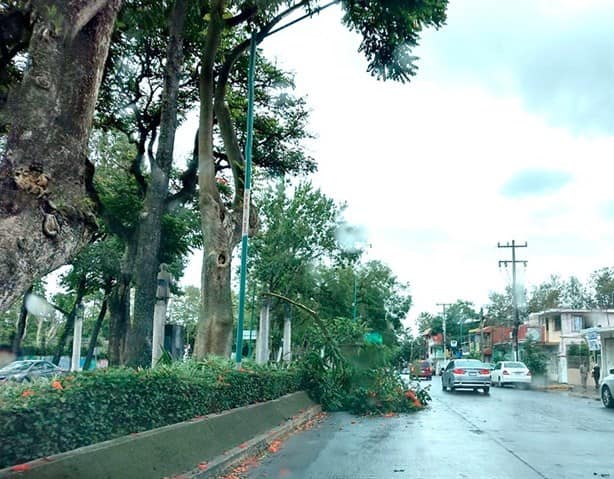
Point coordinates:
[(513, 262)]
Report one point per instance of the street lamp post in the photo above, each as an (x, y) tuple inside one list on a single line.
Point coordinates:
[(255, 38)]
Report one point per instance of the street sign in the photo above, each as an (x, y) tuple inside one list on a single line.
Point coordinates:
[(594, 344), (453, 343), (250, 335), (374, 338)]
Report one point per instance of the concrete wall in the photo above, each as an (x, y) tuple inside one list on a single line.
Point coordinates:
[(168, 450)]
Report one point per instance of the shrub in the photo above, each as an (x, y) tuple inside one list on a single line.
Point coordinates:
[(48, 417)]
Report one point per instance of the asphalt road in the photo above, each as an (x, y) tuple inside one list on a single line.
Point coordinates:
[(510, 433)]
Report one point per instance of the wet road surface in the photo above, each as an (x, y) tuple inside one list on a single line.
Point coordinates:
[(510, 433)]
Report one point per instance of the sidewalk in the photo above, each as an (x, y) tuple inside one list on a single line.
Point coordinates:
[(572, 390)]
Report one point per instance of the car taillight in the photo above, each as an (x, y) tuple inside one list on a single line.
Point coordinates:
[(528, 373), (505, 372), (458, 371), (484, 371)]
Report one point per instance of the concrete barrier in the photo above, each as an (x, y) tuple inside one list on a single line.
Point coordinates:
[(168, 450)]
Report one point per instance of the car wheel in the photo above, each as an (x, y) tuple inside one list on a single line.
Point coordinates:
[(606, 397), (486, 390)]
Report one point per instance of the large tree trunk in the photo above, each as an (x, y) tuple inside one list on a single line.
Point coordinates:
[(21, 323), (96, 330), (149, 234), (45, 213), (214, 334)]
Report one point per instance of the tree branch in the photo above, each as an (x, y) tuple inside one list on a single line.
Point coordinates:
[(86, 12)]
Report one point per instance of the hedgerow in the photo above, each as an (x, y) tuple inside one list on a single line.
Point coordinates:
[(48, 417)]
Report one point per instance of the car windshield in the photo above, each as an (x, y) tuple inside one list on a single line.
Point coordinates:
[(513, 365), (16, 366), (469, 363)]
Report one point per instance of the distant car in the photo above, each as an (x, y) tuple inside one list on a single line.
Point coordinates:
[(27, 370), (510, 372), (466, 374), (606, 390), (422, 369)]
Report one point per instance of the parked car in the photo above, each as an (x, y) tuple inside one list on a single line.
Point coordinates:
[(27, 370), (422, 369), (466, 374), (510, 372), (606, 390)]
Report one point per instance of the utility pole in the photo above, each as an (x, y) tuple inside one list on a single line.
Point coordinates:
[(513, 246), (444, 326), (482, 334)]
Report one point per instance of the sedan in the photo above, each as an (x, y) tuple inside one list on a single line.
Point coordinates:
[(511, 372), (466, 374), (607, 390), (24, 371)]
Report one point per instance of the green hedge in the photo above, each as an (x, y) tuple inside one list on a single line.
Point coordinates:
[(49, 417)]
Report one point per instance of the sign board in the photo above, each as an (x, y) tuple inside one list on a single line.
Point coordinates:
[(453, 343), (374, 338), (594, 344), (247, 332), (592, 334)]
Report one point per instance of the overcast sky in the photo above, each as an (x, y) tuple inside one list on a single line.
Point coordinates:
[(507, 132)]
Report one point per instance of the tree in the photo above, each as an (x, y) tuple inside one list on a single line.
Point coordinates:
[(547, 295), (46, 215), (389, 32), (382, 300), (184, 310), (575, 295), (602, 285)]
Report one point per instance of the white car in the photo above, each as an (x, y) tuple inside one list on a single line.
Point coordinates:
[(510, 372), (606, 390)]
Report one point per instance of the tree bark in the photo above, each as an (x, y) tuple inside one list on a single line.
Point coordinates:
[(96, 331), (119, 307), (70, 321), (45, 213), (21, 324), (138, 352), (214, 333)]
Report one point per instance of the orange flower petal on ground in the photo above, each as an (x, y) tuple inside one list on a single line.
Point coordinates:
[(20, 468), (57, 385)]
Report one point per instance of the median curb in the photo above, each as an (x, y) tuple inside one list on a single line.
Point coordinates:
[(207, 443), (253, 447)]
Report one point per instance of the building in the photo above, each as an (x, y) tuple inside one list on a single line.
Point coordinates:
[(497, 342), (564, 328)]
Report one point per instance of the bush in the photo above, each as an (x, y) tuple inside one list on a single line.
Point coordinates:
[(48, 417)]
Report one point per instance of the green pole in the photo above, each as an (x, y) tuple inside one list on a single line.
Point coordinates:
[(246, 196)]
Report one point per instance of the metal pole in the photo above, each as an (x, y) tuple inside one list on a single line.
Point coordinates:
[(355, 304), (246, 196)]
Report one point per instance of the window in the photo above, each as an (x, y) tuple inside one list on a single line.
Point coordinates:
[(557, 323), (576, 323)]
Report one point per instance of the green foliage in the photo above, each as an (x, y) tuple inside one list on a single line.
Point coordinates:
[(342, 372), (390, 30), (46, 418), (535, 358), (602, 283)]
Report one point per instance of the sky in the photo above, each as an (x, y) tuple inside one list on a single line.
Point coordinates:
[(506, 133)]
